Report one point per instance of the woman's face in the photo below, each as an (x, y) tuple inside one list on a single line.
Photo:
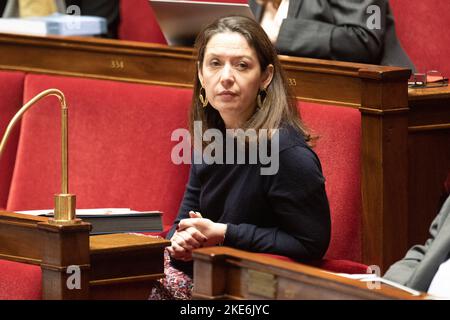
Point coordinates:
[(232, 77)]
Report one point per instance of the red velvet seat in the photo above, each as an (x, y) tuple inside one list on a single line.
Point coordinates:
[(138, 22), (11, 93), (19, 281), (105, 117), (339, 150), (422, 29), (120, 146)]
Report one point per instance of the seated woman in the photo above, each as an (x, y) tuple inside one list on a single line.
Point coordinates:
[(240, 85)]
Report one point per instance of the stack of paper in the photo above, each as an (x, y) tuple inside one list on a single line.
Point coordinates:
[(57, 24), (113, 220), (369, 277)]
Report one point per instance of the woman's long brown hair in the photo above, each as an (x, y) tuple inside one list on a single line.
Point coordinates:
[(279, 106)]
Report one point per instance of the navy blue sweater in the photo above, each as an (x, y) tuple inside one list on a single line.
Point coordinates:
[(286, 213)]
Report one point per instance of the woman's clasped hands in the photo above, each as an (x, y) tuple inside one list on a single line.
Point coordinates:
[(195, 232)]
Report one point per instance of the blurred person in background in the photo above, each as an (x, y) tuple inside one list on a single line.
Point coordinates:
[(345, 30)]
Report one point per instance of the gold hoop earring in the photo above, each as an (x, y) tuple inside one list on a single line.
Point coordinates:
[(203, 100), (262, 95)]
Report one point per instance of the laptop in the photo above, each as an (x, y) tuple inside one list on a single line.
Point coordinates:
[(181, 21)]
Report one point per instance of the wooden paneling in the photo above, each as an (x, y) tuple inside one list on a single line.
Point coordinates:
[(428, 157), (20, 239), (125, 266), (98, 58)]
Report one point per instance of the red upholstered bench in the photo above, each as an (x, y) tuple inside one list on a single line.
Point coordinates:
[(17, 280), (120, 151), (339, 150), (20, 281), (120, 146), (11, 96)]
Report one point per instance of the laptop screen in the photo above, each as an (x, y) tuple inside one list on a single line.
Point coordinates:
[(181, 21)]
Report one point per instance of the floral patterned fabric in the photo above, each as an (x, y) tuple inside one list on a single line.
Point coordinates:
[(176, 285)]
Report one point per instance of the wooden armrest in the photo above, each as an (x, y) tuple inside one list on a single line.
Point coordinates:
[(112, 266), (227, 273), (123, 266)]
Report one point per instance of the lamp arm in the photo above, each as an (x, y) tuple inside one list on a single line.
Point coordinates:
[(64, 202)]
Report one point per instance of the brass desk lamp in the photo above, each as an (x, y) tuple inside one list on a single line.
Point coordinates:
[(64, 202)]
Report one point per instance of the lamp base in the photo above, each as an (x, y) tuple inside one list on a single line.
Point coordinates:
[(65, 210)]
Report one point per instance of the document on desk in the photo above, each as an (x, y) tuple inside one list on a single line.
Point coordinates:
[(56, 24), (440, 285), (370, 277)]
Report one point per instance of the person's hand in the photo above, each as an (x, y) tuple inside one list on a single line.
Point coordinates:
[(213, 231), (184, 241)]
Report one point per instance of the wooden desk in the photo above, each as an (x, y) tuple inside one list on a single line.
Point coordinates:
[(226, 273), (114, 266), (405, 133), (428, 156)]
